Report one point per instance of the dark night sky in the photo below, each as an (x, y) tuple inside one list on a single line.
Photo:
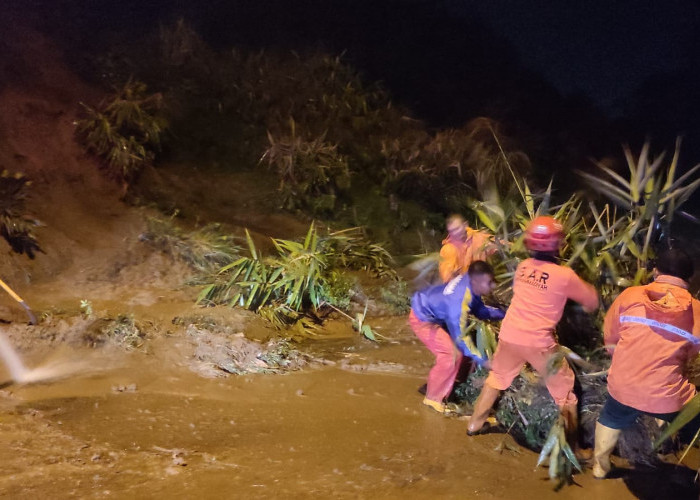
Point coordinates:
[(436, 57), (603, 49)]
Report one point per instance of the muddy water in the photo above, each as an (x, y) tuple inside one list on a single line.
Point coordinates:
[(151, 428)]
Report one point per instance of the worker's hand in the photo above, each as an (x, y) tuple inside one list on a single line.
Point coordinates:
[(486, 365)]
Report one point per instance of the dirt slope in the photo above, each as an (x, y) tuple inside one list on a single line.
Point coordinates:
[(91, 238)]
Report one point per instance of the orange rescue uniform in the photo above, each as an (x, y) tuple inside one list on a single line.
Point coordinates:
[(540, 291), (646, 325), (456, 255)]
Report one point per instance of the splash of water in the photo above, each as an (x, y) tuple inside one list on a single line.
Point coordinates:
[(17, 369), (49, 370)]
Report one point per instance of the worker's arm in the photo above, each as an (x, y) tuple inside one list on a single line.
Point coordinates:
[(611, 326), (456, 325), (457, 321), (449, 266), (482, 311), (583, 293), (486, 246)]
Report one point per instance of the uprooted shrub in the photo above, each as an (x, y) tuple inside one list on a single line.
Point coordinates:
[(121, 330), (608, 247), (219, 353)]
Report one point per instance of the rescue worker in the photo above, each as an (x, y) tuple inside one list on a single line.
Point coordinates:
[(439, 315), (462, 246), (655, 330), (541, 288)]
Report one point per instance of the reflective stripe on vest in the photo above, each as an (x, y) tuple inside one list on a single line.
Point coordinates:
[(663, 326)]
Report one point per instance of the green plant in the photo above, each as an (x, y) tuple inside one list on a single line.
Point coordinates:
[(124, 331), (121, 330), (350, 249), (205, 249), (293, 279), (451, 165), (312, 173), (16, 226), (86, 308), (684, 417), (562, 460), (396, 295), (484, 333), (339, 289), (125, 130), (360, 325), (294, 285), (651, 195)]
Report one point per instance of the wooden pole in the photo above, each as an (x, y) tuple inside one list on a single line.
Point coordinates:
[(32, 318)]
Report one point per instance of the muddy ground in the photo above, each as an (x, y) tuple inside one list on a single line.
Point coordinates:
[(160, 421), (185, 402)]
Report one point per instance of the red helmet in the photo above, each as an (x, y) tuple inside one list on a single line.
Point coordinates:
[(543, 234)]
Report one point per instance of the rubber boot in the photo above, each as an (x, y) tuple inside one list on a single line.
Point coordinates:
[(482, 408), (605, 441), (570, 415)]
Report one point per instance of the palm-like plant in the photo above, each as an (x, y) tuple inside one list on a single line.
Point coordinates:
[(651, 195), (302, 268), (247, 282), (312, 173), (15, 225), (125, 130), (299, 280), (350, 249)]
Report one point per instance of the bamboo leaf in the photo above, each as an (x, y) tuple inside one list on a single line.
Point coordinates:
[(547, 448), (486, 220), (610, 190), (570, 455), (621, 180), (204, 294), (554, 461), (687, 413), (368, 333), (681, 179), (671, 174)]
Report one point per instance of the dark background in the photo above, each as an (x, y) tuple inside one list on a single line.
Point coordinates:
[(583, 78)]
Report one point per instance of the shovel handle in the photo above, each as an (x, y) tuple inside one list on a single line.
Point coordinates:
[(11, 292), (32, 318)]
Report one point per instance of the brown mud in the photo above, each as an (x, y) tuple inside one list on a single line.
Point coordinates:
[(151, 427), (150, 423)]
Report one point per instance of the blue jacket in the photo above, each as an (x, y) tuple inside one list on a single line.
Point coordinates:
[(449, 305)]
